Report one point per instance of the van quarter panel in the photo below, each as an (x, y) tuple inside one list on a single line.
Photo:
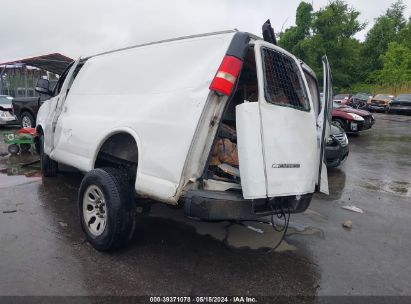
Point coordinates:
[(159, 91)]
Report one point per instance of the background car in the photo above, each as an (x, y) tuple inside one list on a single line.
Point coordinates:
[(359, 101), (400, 104), (350, 119), (26, 108), (6, 116), (380, 102), (342, 98), (336, 150)]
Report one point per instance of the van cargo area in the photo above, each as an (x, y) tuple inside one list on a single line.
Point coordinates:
[(223, 167), (221, 197)]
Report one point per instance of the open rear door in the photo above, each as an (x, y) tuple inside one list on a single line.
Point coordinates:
[(323, 125), (287, 129)]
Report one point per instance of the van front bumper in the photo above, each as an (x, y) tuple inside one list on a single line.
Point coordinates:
[(229, 205)]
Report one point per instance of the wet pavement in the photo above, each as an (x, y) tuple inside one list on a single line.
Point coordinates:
[(43, 252)]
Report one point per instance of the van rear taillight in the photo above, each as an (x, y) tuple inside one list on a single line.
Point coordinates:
[(226, 76)]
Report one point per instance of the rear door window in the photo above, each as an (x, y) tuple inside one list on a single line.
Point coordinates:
[(283, 83)]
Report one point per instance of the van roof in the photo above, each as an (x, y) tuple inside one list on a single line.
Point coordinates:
[(170, 40)]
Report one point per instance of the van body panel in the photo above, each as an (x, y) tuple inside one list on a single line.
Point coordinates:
[(159, 94), (159, 91), (250, 150)]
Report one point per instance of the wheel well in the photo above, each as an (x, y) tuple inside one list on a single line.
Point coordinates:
[(25, 110), (119, 151), (39, 130), (342, 120)]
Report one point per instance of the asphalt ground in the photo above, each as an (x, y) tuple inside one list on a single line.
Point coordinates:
[(43, 251)]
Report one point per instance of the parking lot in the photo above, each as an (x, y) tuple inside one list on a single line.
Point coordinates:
[(43, 252)]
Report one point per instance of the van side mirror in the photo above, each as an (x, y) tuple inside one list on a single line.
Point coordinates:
[(43, 86)]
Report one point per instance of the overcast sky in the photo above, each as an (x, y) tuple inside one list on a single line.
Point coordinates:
[(84, 27)]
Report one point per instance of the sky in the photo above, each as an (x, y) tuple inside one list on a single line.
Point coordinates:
[(85, 27)]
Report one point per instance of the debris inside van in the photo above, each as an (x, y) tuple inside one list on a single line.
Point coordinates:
[(225, 151)]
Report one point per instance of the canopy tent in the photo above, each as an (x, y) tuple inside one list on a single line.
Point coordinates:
[(55, 63)]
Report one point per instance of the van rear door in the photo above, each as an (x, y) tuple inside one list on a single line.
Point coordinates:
[(287, 128), (323, 125)]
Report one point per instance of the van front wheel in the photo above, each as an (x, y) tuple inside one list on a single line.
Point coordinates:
[(107, 208)]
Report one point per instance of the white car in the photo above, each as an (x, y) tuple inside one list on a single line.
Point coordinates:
[(151, 121)]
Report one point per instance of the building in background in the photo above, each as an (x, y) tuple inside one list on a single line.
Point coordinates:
[(18, 78)]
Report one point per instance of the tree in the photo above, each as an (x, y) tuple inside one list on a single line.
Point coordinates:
[(396, 65), (333, 30), (383, 32), (295, 35), (404, 36)]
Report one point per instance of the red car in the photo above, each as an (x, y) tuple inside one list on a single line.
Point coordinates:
[(350, 119)]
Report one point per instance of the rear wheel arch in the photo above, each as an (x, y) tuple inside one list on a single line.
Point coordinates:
[(39, 130), (119, 149)]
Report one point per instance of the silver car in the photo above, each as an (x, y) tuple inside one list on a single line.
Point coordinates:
[(6, 116)]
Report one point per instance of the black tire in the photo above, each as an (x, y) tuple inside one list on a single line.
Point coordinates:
[(120, 208), (25, 147), (13, 149), (27, 120), (48, 166)]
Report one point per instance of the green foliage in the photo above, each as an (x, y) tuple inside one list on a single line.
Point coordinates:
[(383, 60), (382, 88), (383, 32), (396, 64), (292, 38), (329, 31), (404, 36)]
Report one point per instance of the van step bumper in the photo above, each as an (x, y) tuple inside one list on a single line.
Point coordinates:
[(226, 206)]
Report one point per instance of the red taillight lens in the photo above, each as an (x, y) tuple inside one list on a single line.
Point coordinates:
[(226, 76)]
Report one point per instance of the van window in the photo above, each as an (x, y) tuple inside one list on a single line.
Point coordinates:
[(315, 93), (59, 85), (283, 84)]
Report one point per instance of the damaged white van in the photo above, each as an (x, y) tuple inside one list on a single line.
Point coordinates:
[(225, 124)]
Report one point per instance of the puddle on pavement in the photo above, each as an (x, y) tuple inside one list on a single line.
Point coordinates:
[(393, 187), (247, 236), (19, 169)]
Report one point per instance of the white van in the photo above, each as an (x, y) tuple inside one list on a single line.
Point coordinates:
[(226, 124)]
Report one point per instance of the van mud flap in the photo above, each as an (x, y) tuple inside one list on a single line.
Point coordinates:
[(228, 206)]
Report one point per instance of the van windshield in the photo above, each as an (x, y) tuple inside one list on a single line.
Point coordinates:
[(283, 83)]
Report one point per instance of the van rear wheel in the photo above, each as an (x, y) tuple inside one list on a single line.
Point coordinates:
[(107, 208)]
